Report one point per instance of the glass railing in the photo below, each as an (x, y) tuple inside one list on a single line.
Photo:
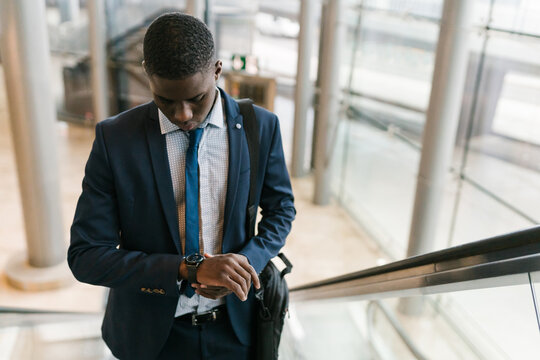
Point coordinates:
[(34, 335), (474, 301)]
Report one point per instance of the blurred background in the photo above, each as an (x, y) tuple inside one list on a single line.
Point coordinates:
[(411, 129)]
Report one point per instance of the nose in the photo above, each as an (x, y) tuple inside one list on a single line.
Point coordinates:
[(182, 113)]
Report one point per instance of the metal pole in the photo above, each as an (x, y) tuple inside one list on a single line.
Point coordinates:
[(195, 8), (333, 34), (69, 10), (26, 59), (304, 89), (207, 12), (316, 112), (441, 126), (98, 58)]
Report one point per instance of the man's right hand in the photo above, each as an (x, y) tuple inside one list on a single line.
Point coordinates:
[(232, 271)]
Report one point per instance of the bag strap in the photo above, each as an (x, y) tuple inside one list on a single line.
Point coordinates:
[(288, 265), (251, 127)]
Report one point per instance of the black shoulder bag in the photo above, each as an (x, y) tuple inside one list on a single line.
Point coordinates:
[(273, 296)]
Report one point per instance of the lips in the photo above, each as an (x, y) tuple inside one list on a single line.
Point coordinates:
[(188, 126)]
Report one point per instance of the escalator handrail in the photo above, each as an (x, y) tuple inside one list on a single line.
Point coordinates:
[(517, 244)]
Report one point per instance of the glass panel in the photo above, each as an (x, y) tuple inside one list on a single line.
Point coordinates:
[(378, 149), (276, 32), (480, 215), (493, 323), (517, 15), (69, 44), (51, 336), (326, 330), (378, 182), (427, 8), (500, 322), (498, 191), (123, 15), (394, 58)]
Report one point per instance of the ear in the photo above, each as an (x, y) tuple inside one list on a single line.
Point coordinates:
[(218, 68), (143, 64)]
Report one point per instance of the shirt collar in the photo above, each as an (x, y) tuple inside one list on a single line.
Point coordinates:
[(214, 117)]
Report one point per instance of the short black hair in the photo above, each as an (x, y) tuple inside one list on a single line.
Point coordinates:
[(177, 46)]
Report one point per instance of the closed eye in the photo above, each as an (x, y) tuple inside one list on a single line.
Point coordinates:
[(197, 99), (164, 100)]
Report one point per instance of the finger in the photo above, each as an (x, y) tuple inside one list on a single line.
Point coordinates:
[(236, 289), (215, 295), (244, 274), (207, 255), (212, 287), (255, 278), (253, 274), (238, 277), (210, 292), (206, 294)]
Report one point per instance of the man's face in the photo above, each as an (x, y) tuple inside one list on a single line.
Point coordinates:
[(186, 102)]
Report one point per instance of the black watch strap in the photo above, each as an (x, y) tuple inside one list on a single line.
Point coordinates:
[(192, 273), (192, 263)]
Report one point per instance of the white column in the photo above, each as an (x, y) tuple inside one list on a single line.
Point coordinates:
[(24, 46), (98, 59), (440, 128), (304, 88), (195, 8), (329, 99), (441, 123)]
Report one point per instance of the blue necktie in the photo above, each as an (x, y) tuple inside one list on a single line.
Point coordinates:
[(192, 198)]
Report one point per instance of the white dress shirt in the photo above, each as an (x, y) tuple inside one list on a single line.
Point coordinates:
[(213, 158)]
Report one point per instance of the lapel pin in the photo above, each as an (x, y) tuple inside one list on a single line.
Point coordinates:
[(238, 126)]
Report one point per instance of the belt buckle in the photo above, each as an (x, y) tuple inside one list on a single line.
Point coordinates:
[(212, 313)]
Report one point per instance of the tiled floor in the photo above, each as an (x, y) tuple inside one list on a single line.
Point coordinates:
[(324, 241)]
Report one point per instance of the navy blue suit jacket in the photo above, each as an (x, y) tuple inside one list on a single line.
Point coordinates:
[(125, 231)]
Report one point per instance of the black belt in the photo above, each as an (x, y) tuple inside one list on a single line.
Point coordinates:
[(213, 315)]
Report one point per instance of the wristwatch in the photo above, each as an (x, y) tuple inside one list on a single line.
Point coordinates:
[(192, 263)]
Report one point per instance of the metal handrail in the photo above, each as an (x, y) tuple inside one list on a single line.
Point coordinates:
[(472, 265)]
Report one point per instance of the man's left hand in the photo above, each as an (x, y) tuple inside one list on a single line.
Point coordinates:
[(211, 292)]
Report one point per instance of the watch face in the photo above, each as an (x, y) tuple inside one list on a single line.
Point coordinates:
[(194, 258)]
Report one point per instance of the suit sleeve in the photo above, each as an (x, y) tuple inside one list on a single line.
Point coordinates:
[(93, 254), (277, 206)]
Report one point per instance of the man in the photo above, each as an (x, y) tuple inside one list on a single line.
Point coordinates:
[(149, 171)]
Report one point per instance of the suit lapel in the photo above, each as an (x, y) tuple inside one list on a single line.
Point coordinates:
[(236, 138), (160, 165)]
